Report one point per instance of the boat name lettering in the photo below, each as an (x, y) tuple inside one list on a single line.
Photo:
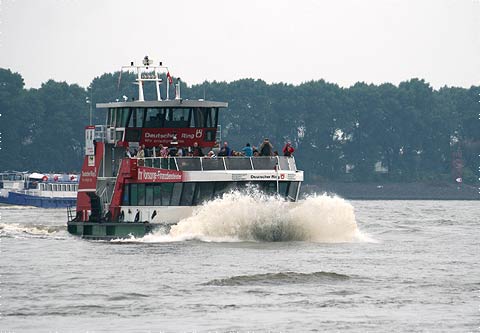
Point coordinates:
[(263, 177), (280, 176), (89, 174), (149, 135), (157, 175), (187, 136)]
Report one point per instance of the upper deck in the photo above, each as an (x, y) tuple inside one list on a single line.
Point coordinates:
[(179, 103)]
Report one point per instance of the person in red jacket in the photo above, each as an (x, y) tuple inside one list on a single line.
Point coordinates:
[(288, 149)]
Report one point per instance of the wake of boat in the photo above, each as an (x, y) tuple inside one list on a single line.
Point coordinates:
[(22, 230), (254, 216)]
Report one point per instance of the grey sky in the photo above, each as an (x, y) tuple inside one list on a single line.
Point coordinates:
[(341, 41)]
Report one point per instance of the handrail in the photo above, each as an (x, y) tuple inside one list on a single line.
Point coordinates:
[(199, 163)]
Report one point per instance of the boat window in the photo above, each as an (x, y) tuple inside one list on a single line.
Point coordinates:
[(268, 187), (176, 194), (49, 186), (139, 118), (215, 117), (178, 118), (222, 188), (204, 192), (111, 117), (118, 117), (141, 194), (125, 115), (167, 189), (126, 195), (64, 187), (157, 195), (283, 188), (199, 117), (149, 195), (292, 190), (133, 194), (155, 117), (55, 187), (209, 117), (205, 117), (187, 194)]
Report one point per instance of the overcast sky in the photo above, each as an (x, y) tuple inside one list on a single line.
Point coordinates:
[(341, 41)]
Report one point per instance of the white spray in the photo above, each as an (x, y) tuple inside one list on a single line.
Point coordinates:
[(254, 216)]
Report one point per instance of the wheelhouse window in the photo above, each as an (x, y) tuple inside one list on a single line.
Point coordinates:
[(136, 117), (178, 117), (205, 117), (155, 117), (163, 117)]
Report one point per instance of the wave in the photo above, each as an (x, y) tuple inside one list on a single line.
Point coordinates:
[(254, 216), (16, 229), (279, 278)]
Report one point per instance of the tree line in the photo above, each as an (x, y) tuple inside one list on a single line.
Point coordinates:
[(366, 132)]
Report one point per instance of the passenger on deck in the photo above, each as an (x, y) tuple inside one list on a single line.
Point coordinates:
[(172, 151), (266, 148), (288, 149), (163, 151), (157, 151), (141, 155), (211, 154), (275, 153), (180, 152), (225, 150), (147, 152), (197, 151), (247, 150), (128, 153)]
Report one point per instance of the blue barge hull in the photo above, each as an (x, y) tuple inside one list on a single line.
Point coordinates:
[(37, 201)]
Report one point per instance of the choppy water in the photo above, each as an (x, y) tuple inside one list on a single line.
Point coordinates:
[(342, 266)]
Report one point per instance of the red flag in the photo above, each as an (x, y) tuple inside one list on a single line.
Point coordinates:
[(170, 80)]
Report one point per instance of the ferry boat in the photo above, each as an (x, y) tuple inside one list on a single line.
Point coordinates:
[(38, 190), (122, 196)]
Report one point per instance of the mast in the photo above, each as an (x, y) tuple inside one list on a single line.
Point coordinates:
[(144, 75)]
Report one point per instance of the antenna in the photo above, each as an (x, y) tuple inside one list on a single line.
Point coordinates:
[(143, 75)]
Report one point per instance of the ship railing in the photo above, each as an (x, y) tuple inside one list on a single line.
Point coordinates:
[(220, 163)]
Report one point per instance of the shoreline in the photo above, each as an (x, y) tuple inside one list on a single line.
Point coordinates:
[(395, 191)]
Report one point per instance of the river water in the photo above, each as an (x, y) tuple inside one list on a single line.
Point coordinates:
[(250, 264)]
